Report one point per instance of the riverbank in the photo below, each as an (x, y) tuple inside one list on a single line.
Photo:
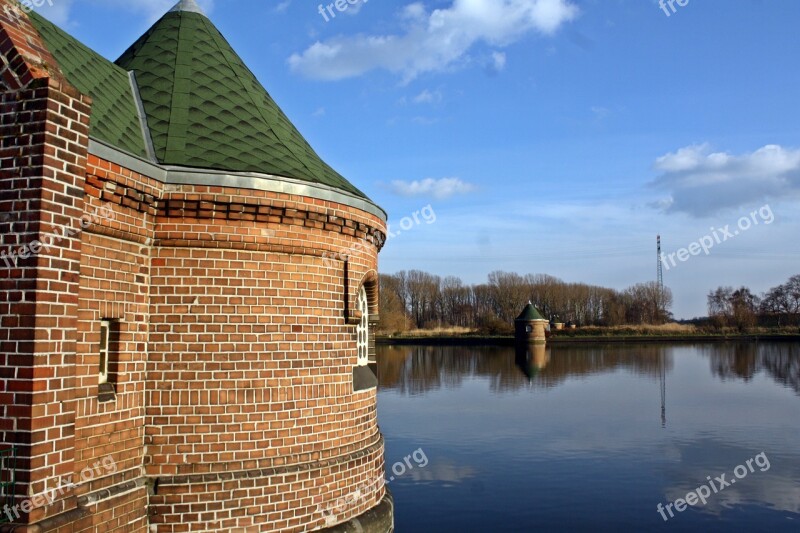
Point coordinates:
[(507, 340)]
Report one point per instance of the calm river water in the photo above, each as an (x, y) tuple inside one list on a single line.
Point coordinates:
[(575, 439)]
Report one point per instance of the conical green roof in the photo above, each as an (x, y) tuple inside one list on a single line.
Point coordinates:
[(530, 313), (206, 109)]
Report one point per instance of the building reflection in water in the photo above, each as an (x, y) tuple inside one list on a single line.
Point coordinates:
[(532, 358), (419, 369)]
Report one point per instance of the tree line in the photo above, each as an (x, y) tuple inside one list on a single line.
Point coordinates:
[(741, 309), (419, 300)]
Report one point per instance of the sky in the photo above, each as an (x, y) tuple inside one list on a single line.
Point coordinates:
[(538, 136)]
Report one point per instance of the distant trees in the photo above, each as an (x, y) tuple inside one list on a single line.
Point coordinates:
[(742, 309), (418, 299), (783, 301), (733, 308), (646, 303)]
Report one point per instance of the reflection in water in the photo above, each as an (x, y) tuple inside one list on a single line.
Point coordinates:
[(532, 358), (744, 361), (419, 369), (566, 438)]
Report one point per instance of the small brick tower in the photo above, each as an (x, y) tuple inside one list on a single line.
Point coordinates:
[(530, 327), (178, 349)]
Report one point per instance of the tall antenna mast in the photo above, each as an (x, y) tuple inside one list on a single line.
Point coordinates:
[(662, 371), (660, 266)]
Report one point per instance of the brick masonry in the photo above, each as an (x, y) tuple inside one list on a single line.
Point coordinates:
[(232, 402)]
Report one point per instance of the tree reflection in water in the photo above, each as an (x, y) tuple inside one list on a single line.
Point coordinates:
[(419, 369), (780, 361)]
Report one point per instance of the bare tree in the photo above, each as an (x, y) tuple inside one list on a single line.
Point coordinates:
[(427, 300), (736, 308)]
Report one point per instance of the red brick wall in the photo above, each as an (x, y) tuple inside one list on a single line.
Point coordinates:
[(251, 359), (233, 375), (42, 156), (114, 285)]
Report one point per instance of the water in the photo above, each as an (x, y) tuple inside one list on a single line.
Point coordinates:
[(574, 438)]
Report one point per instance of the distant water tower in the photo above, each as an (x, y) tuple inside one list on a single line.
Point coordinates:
[(530, 326)]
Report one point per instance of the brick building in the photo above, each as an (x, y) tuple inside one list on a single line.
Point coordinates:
[(179, 349)]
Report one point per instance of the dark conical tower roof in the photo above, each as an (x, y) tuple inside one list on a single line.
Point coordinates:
[(206, 109), (530, 313)]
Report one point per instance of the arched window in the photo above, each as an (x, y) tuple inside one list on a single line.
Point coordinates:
[(362, 329)]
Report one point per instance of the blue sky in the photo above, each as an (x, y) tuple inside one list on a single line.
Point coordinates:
[(548, 136)]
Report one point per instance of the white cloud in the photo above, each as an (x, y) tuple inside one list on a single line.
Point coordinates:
[(428, 97), (320, 112), (282, 7), (424, 121), (354, 9), (438, 188), (702, 182), (600, 112), (155, 9), (433, 41), (498, 61), (59, 12)]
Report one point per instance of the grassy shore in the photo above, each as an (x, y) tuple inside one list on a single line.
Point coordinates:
[(619, 334)]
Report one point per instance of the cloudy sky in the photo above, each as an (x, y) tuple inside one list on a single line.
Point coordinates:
[(547, 136)]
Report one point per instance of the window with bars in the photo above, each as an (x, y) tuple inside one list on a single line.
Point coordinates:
[(106, 371), (363, 376), (362, 330), (105, 344)]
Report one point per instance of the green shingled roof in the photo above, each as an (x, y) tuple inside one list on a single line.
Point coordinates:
[(115, 119), (203, 107), (530, 313), (206, 109)]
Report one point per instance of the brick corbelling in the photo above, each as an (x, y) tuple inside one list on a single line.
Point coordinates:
[(129, 196), (211, 208), (108, 182)]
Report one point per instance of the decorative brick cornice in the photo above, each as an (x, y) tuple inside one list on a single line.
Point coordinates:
[(126, 196), (210, 207), (217, 210)]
